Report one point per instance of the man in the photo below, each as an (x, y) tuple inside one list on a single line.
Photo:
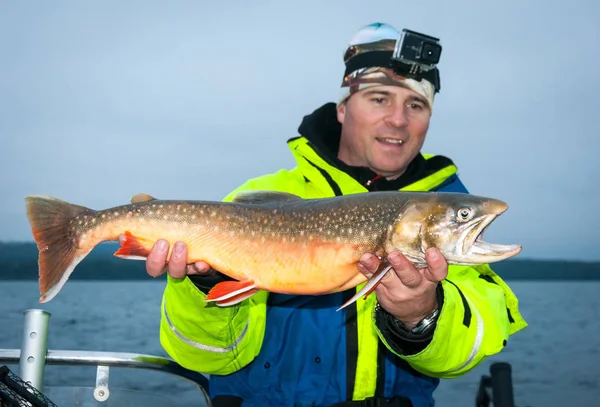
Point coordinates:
[(421, 325)]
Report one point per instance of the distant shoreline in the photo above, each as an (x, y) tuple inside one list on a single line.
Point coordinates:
[(18, 262)]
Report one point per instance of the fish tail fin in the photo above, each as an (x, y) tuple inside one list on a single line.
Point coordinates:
[(51, 222)]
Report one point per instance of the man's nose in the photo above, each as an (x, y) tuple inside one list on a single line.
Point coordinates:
[(397, 117)]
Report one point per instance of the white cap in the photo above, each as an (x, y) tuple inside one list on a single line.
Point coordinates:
[(378, 37)]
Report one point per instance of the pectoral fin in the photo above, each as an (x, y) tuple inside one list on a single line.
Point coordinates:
[(369, 287), (134, 248), (231, 292), (237, 298)]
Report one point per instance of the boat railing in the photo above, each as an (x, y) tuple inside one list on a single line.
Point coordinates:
[(34, 356)]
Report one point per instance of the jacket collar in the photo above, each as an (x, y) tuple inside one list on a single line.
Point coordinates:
[(315, 151)]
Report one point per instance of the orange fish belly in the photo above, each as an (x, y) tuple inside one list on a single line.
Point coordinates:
[(277, 264), (284, 266)]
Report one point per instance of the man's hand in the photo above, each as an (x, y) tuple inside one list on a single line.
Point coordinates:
[(177, 267), (409, 294)]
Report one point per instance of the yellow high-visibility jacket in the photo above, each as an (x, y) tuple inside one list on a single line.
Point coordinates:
[(275, 349)]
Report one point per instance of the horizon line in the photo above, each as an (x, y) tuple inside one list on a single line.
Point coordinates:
[(516, 258)]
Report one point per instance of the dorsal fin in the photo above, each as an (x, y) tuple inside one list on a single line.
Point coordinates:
[(259, 197), (142, 198)]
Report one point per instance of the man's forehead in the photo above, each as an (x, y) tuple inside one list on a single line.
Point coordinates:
[(399, 90), (381, 77)]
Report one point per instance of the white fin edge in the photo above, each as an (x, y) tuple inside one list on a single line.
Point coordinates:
[(55, 289), (375, 279), (241, 298), (232, 294)]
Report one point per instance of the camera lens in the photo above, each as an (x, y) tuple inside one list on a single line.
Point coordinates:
[(431, 53)]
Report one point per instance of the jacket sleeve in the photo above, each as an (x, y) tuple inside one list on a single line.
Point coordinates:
[(207, 338), (478, 314)]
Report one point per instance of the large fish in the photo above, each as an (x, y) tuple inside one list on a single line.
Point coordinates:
[(274, 241)]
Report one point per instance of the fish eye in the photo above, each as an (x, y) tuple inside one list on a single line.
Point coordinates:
[(464, 214)]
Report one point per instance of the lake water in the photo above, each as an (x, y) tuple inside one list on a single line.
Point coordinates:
[(556, 360)]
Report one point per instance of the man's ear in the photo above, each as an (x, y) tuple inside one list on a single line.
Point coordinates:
[(341, 112)]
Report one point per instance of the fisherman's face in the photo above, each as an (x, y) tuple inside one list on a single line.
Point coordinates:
[(383, 128)]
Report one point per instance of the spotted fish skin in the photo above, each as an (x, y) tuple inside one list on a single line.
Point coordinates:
[(282, 246), (264, 240)]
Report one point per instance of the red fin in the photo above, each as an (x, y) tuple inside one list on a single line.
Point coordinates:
[(229, 289), (237, 298), (132, 248)]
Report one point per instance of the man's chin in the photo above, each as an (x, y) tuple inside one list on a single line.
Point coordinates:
[(390, 172)]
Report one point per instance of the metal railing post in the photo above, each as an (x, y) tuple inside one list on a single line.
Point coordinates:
[(34, 348)]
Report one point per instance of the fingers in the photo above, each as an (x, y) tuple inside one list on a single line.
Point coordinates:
[(368, 264), (156, 263), (405, 270), (437, 266), (200, 268), (177, 267), (157, 258)]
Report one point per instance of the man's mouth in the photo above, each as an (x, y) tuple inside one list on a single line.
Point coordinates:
[(390, 140)]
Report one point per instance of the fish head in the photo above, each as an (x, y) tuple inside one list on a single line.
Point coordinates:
[(453, 223)]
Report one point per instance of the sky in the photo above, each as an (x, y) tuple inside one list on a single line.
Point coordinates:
[(188, 99)]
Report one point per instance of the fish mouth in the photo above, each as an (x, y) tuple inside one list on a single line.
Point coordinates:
[(476, 250)]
